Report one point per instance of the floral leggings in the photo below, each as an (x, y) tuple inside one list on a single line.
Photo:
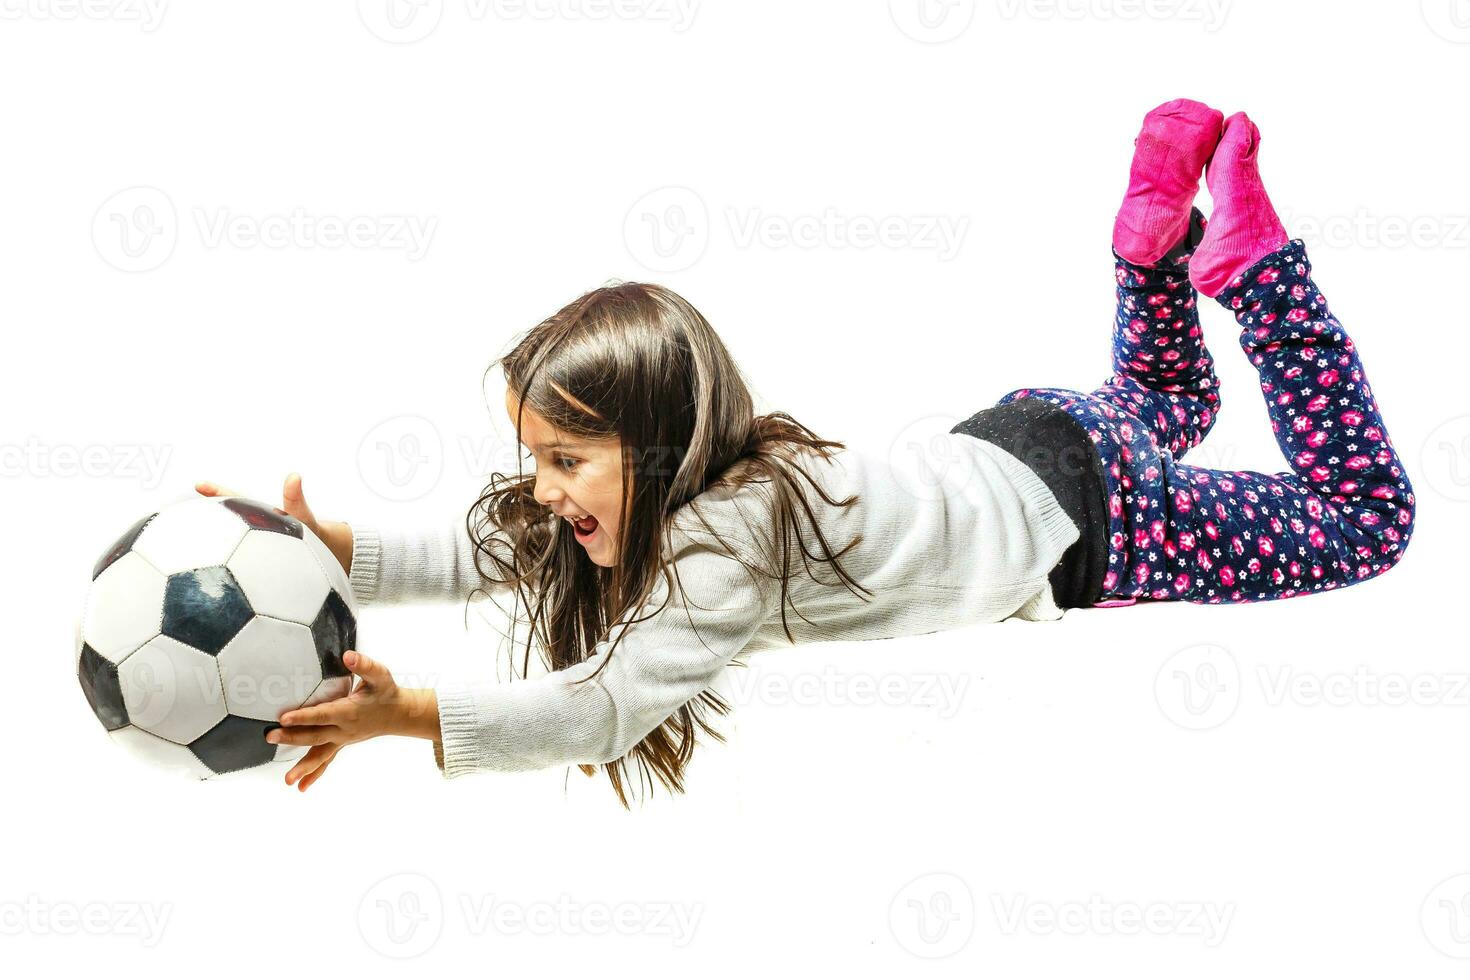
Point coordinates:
[(1341, 514)]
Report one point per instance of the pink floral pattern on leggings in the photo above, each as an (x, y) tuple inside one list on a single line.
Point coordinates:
[(1341, 514)]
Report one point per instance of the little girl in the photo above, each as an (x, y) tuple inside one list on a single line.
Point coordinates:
[(667, 529)]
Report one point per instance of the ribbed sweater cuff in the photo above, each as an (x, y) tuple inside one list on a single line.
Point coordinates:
[(367, 554), (456, 753)]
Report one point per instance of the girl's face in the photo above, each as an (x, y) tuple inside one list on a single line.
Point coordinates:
[(576, 478)]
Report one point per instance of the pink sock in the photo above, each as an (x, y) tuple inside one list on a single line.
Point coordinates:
[(1244, 227), (1170, 153)]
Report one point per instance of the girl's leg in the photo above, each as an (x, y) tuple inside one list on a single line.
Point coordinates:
[(1341, 514), (1163, 373), (1345, 509)]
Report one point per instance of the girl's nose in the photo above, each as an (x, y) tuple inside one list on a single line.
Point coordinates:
[(545, 493)]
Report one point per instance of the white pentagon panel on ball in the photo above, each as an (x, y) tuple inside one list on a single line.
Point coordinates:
[(124, 607), (191, 534), (171, 690), (271, 666), (333, 570), (280, 576), (330, 689), (160, 752)]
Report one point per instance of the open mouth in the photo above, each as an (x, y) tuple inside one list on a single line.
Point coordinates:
[(585, 529)]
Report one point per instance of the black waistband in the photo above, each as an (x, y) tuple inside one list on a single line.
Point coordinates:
[(1057, 448)]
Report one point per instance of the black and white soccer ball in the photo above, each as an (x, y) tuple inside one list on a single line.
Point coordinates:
[(206, 621)]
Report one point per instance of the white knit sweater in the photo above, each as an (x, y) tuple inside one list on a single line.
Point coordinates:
[(973, 543)]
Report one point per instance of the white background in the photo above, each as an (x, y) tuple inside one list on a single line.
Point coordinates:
[(1248, 780)]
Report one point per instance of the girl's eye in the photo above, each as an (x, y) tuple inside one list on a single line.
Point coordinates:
[(567, 459)]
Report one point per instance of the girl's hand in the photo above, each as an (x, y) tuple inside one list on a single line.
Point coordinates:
[(377, 706), (336, 535), (309, 767)]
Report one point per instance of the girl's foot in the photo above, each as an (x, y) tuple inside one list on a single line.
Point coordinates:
[(1244, 227), (1177, 138)]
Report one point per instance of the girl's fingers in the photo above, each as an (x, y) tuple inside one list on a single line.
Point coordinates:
[(294, 500), (312, 761), (308, 763), (214, 490), (371, 671), (305, 735), (313, 777), (324, 713)]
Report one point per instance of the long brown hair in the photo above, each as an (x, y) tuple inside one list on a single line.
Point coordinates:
[(637, 361)]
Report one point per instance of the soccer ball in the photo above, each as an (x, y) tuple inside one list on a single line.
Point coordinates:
[(203, 624)]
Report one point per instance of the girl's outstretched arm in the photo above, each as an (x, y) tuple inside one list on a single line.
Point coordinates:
[(570, 716)]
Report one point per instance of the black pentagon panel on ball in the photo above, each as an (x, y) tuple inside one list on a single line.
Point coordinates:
[(264, 518), (120, 547), (335, 632), (235, 743), (204, 608), (99, 683)]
